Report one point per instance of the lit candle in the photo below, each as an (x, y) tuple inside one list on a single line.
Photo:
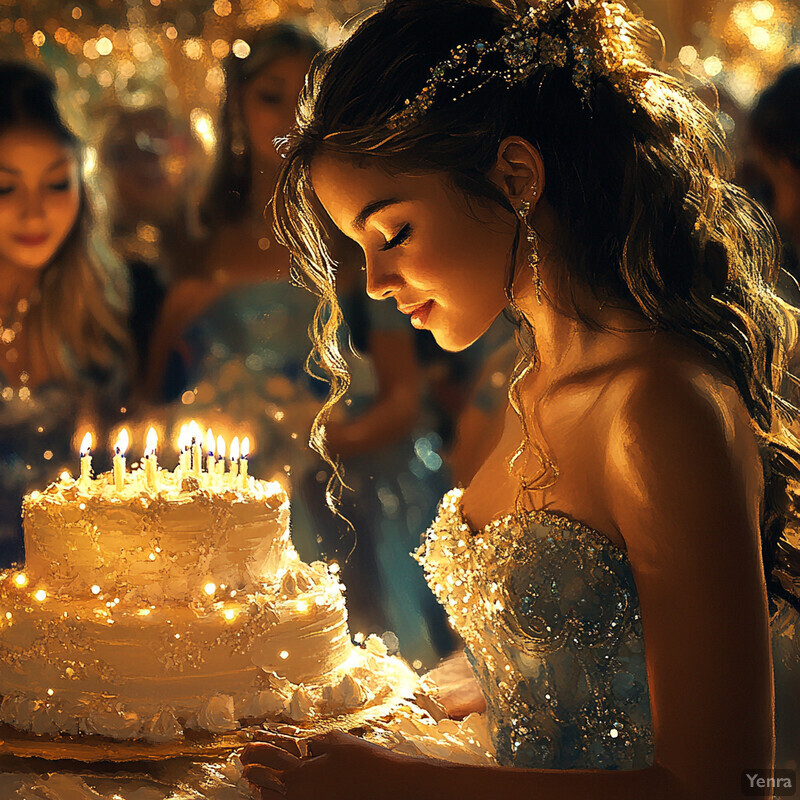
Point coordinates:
[(119, 459), (210, 451), (184, 457), (243, 461), (220, 456), (151, 461), (197, 448), (86, 459), (234, 457)]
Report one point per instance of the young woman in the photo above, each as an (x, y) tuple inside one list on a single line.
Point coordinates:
[(62, 298), (612, 564)]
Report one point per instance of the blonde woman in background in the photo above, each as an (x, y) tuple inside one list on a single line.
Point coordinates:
[(62, 298)]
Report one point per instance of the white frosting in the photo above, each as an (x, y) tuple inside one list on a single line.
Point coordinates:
[(265, 704), (216, 715), (143, 614), (162, 727), (163, 545), (113, 723), (348, 695), (412, 732), (376, 646), (300, 707)]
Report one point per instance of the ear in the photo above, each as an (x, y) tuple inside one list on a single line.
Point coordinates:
[(518, 171)]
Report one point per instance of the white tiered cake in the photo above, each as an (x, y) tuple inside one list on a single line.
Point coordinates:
[(143, 612)]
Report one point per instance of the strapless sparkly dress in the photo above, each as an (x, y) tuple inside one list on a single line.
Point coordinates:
[(549, 612)]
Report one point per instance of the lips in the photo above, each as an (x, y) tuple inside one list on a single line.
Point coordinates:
[(32, 240), (419, 313)]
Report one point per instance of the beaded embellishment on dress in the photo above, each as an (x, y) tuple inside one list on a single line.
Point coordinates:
[(550, 614)]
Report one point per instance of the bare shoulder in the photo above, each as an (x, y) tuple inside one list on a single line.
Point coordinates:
[(681, 444), (684, 484)]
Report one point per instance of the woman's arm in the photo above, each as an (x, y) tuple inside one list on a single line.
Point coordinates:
[(395, 410), (685, 484), (340, 767)]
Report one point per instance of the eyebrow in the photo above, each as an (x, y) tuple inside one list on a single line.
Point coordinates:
[(59, 162), (372, 208)]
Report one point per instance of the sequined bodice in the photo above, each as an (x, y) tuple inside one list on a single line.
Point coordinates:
[(549, 612)]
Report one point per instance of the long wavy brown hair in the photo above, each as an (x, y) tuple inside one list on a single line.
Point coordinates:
[(78, 325), (639, 178)]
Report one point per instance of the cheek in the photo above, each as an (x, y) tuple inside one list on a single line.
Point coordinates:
[(10, 214), (786, 201), (62, 211), (474, 261), (264, 124)]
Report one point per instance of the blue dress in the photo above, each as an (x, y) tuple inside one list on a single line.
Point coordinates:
[(550, 614), (245, 357), (37, 431)]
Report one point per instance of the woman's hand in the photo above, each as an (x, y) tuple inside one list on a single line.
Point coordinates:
[(336, 766), (452, 686)]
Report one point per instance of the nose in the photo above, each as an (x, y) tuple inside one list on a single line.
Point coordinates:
[(32, 207), (382, 281)]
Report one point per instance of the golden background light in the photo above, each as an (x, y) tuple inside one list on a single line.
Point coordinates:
[(158, 52), (739, 45)]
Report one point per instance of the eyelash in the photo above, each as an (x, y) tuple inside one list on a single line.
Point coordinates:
[(401, 238), (63, 186)]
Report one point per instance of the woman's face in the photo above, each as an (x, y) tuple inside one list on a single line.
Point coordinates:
[(39, 196), (443, 262), (269, 100), (784, 179)]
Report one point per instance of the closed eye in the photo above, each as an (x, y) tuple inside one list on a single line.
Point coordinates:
[(61, 186), (401, 238)]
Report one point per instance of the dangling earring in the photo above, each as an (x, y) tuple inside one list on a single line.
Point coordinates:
[(533, 248), (238, 143), (237, 139)]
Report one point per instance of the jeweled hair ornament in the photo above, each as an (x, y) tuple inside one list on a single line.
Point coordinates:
[(592, 38)]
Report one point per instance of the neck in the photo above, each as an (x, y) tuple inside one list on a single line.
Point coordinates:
[(567, 346), (16, 282), (264, 176)]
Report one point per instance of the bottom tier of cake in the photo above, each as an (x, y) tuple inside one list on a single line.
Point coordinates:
[(150, 672)]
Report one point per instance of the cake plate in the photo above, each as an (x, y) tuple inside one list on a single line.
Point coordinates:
[(196, 745)]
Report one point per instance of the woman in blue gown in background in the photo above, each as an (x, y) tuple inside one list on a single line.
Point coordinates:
[(236, 339)]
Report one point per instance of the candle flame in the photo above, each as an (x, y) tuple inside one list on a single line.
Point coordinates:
[(210, 442), (220, 447), (151, 443), (235, 449), (194, 433), (184, 438), (86, 444), (123, 440), (245, 447)]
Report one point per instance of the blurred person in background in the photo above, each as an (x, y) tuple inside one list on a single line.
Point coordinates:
[(151, 164), (233, 341), (772, 174), (63, 339), (774, 126)]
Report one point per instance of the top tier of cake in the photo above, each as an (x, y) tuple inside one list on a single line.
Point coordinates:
[(163, 544)]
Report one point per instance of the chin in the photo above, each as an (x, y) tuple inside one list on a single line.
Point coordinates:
[(456, 339), (30, 260), (452, 342)]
